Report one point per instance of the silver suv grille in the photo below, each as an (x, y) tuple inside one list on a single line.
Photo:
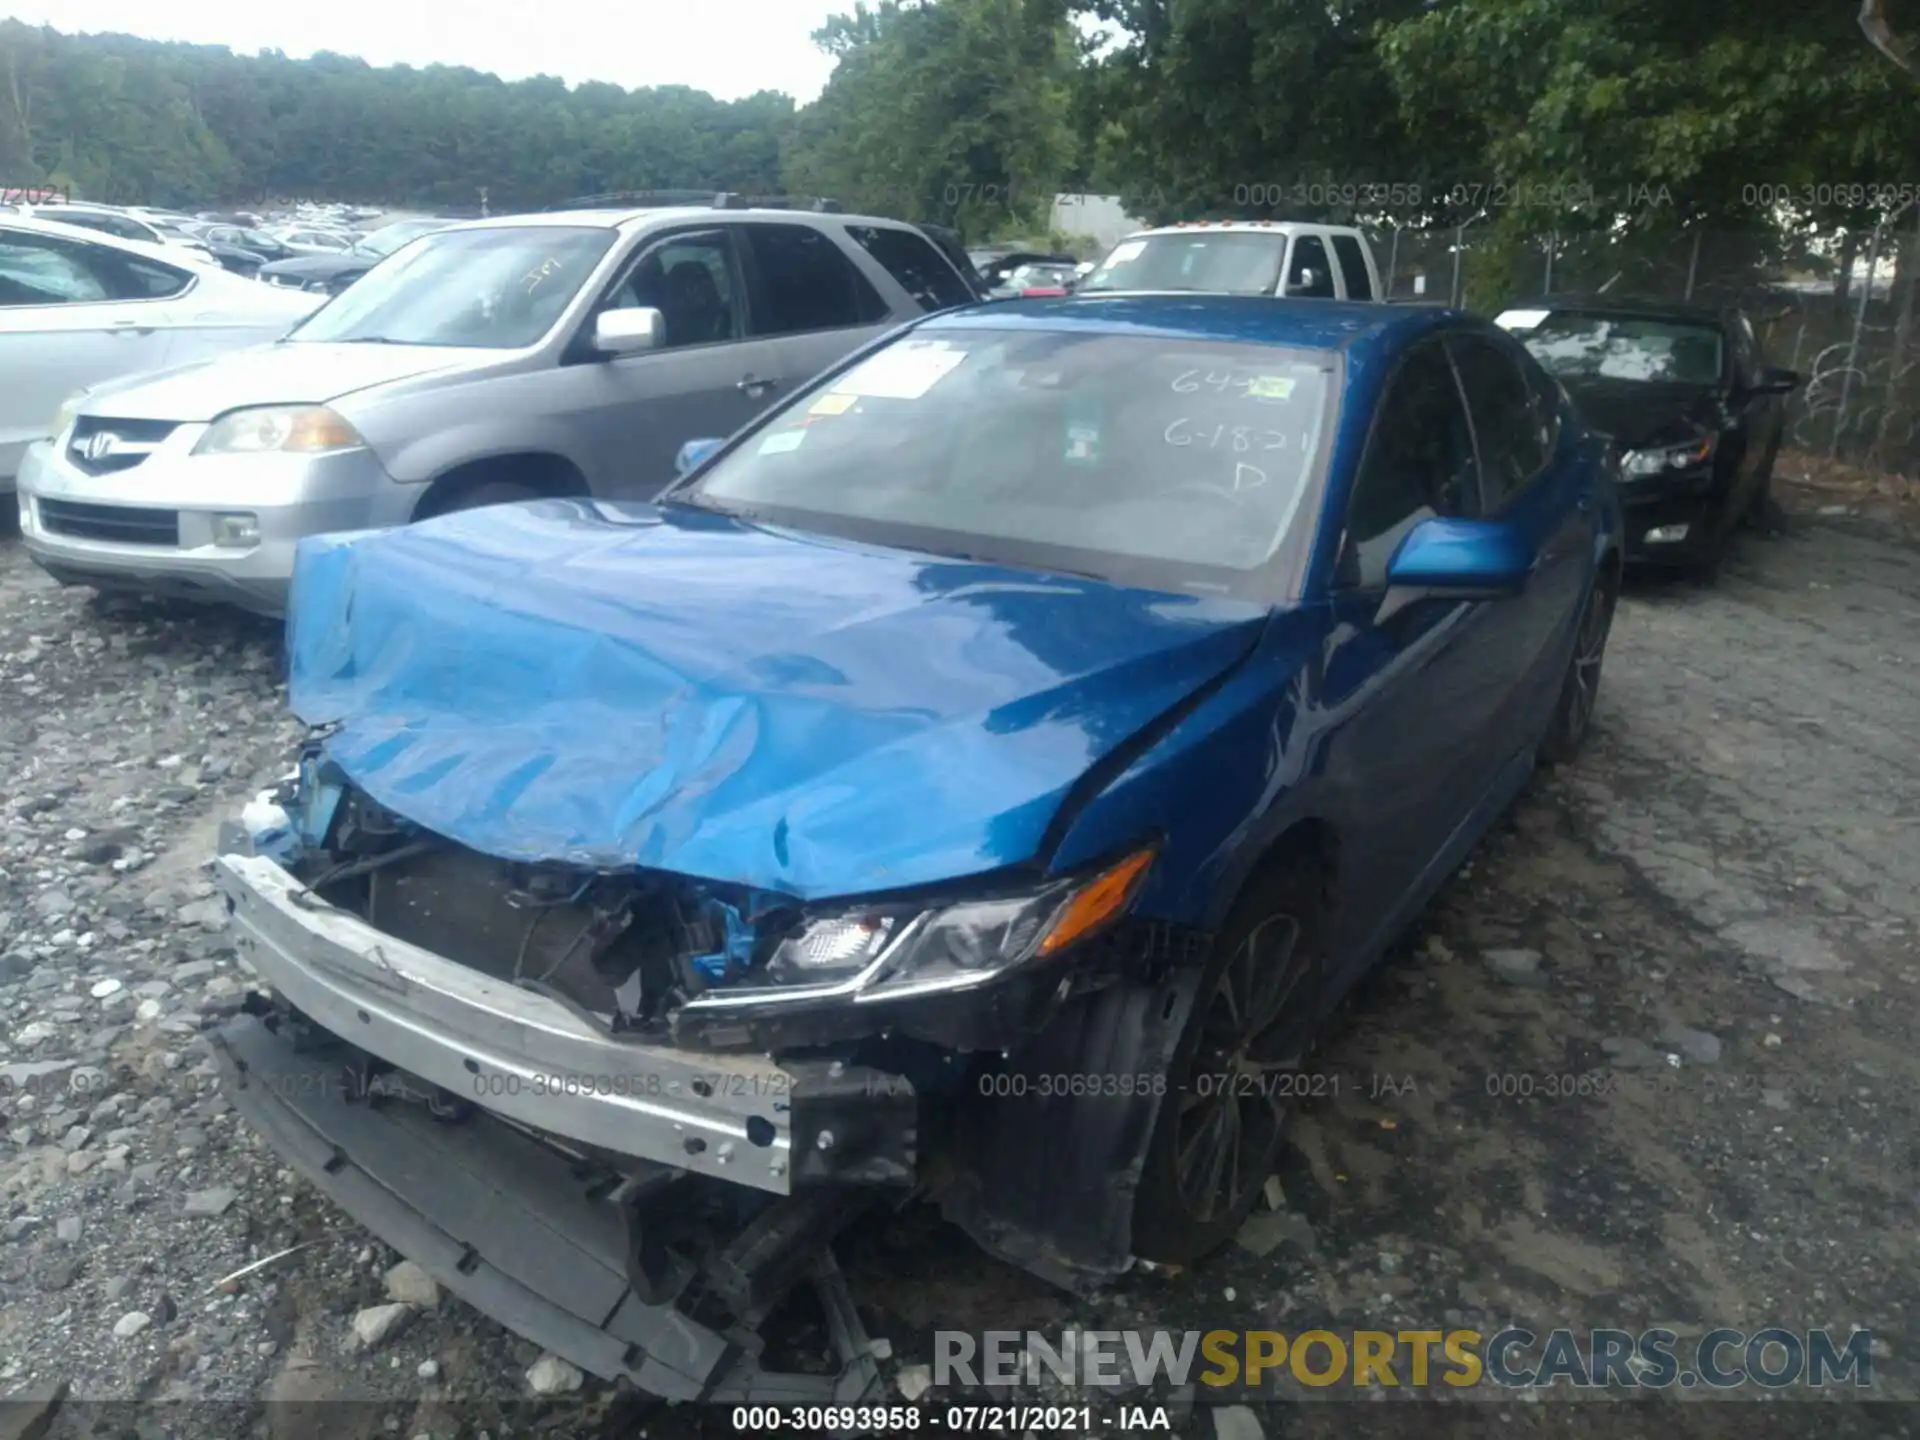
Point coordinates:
[(102, 446)]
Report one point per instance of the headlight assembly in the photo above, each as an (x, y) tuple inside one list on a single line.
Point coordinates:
[(1668, 458), (898, 953), (278, 430)]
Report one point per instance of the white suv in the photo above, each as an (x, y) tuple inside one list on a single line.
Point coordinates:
[(1242, 257)]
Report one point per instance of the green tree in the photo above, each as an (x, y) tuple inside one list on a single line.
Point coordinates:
[(958, 112)]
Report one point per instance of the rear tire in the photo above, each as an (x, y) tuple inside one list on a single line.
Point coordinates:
[(1580, 690), (1227, 1103)]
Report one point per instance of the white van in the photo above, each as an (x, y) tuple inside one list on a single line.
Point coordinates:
[(1242, 257)]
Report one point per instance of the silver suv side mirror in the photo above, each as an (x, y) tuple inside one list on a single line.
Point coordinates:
[(628, 331)]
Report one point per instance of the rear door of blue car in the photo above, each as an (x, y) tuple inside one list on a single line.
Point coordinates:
[(1533, 481)]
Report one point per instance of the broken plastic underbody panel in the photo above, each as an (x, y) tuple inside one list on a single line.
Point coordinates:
[(519, 1076)]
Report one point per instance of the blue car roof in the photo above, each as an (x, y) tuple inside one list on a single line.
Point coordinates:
[(1333, 325)]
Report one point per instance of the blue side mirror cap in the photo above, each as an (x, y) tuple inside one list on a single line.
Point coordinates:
[(1463, 557), (693, 453)]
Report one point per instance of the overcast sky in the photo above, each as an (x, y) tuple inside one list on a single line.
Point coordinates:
[(729, 48)]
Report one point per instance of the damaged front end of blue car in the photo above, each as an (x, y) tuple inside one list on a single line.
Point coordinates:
[(653, 956), (633, 1122), (618, 950)]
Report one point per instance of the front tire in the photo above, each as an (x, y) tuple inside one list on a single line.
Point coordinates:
[(1227, 1102)]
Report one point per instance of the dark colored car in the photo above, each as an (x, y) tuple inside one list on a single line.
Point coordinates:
[(257, 243), (332, 273), (1037, 281), (996, 267), (979, 777), (1689, 401), (234, 258)]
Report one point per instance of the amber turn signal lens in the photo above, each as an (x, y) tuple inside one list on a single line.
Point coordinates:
[(1106, 897)]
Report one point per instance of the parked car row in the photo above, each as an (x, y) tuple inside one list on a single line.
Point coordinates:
[(1694, 409), (79, 307), (1084, 686)]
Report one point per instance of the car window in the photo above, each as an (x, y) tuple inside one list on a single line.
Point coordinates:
[(107, 224), (920, 270), (1746, 347), (41, 270), (1309, 272), (1353, 267), (1505, 422), (500, 288), (1419, 463), (1586, 346), (1136, 458), (1547, 395), (1233, 262), (802, 281), (689, 280)]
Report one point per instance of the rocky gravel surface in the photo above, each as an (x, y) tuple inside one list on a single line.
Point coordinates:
[(1722, 894)]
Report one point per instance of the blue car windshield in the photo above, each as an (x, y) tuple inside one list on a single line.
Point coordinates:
[(1142, 459)]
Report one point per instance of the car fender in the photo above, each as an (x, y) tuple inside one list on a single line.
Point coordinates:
[(420, 453), (1235, 769)]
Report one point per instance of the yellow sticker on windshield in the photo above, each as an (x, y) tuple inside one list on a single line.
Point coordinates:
[(1270, 387), (834, 404)]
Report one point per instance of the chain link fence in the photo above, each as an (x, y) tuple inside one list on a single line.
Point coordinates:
[(1838, 308)]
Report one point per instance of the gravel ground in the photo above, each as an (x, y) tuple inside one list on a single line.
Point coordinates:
[(1722, 893)]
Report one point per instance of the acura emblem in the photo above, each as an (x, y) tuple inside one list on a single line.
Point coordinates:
[(100, 446)]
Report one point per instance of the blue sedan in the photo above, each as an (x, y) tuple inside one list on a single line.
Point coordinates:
[(1046, 715)]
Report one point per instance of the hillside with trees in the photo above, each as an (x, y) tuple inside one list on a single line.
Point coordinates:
[(136, 121)]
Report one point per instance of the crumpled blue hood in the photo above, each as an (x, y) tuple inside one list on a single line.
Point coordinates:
[(617, 686)]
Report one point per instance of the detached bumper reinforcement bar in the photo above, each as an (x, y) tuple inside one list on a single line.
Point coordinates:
[(508, 1225)]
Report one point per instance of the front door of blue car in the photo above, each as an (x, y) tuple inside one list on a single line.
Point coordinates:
[(1408, 692), (1528, 481)]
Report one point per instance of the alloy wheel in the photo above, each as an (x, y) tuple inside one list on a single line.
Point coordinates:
[(1232, 1108), (1590, 648)]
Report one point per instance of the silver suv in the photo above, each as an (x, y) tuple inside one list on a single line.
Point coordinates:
[(556, 354)]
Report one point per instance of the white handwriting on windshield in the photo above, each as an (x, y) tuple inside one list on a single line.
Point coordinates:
[(1256, 386), (1238, 438)]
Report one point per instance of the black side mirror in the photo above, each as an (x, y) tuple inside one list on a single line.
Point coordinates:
[(1772, 380)]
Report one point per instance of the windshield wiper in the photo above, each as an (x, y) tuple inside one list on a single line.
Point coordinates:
[(1044, 568)]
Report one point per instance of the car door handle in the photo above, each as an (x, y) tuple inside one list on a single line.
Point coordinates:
[(129, 327), (754, 387)]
